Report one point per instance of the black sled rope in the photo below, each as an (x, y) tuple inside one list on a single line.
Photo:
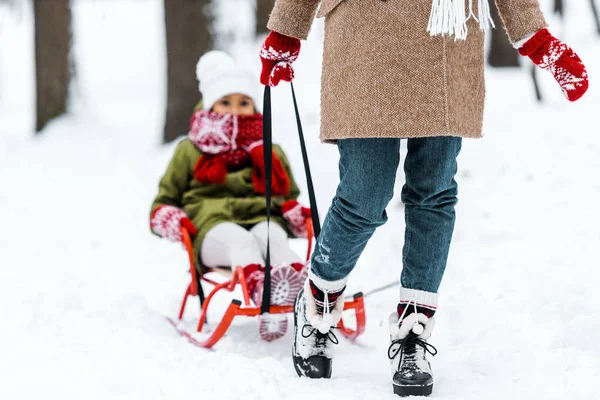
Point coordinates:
[(268, 160)]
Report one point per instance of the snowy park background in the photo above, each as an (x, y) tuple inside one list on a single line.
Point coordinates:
[(85, 287)]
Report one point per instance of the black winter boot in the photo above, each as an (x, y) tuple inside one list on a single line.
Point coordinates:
[(411, 372), (316, 313)]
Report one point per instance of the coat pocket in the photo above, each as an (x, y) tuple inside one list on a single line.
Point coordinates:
[(328, 6)]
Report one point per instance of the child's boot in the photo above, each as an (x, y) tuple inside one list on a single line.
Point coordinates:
[(285, 285), (410, 327), (316, 313)]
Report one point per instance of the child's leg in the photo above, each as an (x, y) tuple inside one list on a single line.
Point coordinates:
[(286, 282), (367, 175), (288, 273), (429, 195), (281, 252), (229, 244)]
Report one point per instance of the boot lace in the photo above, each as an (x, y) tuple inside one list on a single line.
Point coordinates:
[(321, 338), (408, 347)]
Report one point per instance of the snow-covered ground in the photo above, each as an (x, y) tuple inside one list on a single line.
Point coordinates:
[(84, 286)]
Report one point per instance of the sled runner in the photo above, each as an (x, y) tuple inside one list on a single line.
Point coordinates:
[(245, 306)]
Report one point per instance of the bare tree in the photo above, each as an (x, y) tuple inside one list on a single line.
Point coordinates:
[(502, 53), (595, 15), (52, 44), (188, 29), (536, 85), (559, 8), (263, 10)]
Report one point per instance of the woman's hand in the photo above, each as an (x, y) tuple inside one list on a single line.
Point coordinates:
[(277, 54), (547, 52)]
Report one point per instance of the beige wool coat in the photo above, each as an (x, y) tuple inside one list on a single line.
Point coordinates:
[(385, 76)]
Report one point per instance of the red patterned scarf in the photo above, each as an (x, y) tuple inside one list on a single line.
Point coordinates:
[(230, 142)]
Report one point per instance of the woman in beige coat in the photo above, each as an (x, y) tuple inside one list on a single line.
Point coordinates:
[(396, 69)]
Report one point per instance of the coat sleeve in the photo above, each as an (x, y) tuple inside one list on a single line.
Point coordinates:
[(293, 17), (174, 182), (521, 18)]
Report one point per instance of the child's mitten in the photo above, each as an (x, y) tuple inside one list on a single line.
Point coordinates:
[(166, 221), (549, 53), (254, 274), (296, 215), (277, 54)]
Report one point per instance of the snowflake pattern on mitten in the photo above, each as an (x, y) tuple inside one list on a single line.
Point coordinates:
[(296, 215), (277, 54), (551, 54), (573, 81), (282, 71), (166, 222)]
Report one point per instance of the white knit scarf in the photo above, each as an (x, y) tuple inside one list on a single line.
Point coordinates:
[(448, 17)]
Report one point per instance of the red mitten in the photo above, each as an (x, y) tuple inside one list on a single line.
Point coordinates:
[(549, 53), (166, 221), (280, 184), (296, 215), (277, 54), (254, 274)]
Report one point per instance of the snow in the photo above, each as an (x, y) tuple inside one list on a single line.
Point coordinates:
[(85, 287)]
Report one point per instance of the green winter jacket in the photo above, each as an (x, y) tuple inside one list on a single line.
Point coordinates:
[(210, 204)]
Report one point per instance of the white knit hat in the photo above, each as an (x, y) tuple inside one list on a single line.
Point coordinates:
[(219, 75)]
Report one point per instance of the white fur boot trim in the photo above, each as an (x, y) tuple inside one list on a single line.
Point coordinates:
[(329, 319), (416, 322)]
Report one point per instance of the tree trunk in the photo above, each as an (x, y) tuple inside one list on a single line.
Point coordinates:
[(595, 15), (52, 44), (559, 8), (536, 85), (502, 53), (188, 37), (263, 10)]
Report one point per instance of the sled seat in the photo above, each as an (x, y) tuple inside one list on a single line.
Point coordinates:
[(245, 307)]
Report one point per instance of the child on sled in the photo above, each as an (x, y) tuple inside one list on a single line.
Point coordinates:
[(214, 186)]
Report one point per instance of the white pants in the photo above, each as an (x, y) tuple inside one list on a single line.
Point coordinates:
[(229, 244)]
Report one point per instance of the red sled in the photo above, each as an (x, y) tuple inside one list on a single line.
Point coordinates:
[(245, 307)]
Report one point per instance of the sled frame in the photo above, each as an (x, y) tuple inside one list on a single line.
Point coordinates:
[(245, 307)]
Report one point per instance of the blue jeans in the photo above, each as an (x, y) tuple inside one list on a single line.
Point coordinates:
[(367, 175)]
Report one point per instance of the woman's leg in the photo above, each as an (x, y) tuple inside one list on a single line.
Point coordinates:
[(281, 252), (367, 174), (429, 195), (230, 245)]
